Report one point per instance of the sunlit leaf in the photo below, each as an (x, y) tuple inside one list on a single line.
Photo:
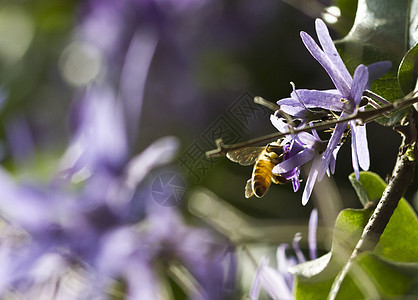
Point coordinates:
[(369, 188), (408, 69), (392, 268)]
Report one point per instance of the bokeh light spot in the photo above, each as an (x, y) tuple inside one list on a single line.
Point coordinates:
[(80, 64), (16, 33)]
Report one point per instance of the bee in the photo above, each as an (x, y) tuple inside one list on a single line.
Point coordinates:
[(265, 158)]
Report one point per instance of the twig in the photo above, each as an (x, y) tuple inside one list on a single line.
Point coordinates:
[(401, 178), (362, 116), (274, 107)]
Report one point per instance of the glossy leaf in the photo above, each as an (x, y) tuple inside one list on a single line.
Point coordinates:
[(408, 69), (348, 13), (392, 268), (347, 7), (378, 34), (369, 188)]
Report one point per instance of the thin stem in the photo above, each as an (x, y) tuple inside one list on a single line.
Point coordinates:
[(362, 116), (375, 96), (401, 178)]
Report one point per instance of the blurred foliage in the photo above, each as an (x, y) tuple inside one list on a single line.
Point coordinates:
[(33, 36)]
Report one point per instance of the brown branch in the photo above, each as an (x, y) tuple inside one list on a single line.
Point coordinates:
[(362, 116)]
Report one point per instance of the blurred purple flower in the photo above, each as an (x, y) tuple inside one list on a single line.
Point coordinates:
[(111, 25), (106, 224), (278, 283), (93, 228), (20, 140)]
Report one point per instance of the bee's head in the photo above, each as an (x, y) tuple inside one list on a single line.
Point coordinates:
[(275, 147)]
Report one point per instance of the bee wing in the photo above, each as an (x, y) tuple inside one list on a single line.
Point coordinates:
[(249, 189), (245, 156)]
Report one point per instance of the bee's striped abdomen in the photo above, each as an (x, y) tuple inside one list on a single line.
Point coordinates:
[(262, 173)]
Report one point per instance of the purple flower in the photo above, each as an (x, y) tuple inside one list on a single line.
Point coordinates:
[(278, 283), (345, 99), (349, 92), (299, 149), (106, 224)]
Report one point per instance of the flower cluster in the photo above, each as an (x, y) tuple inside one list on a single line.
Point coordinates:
[(344, 100), (93, 230), (109, 226)]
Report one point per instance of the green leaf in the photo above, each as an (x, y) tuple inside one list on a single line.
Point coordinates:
[(346, 19), (372, 277), (369, 188), (399, 241), (408, 70), (391, 270), (395, 118), (378, 31), (347, 7)]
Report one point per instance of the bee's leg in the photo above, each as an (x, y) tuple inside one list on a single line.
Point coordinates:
[(277, 179)]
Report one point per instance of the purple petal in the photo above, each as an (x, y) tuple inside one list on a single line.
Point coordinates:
[(354, 156), (284, 263), (330, 50), (158, 153), (299, 159), (255, 288), (134, 75), (295, 180), (320, 99), (313, 173), (308, 139), (315, 133), (332, 144), (274, 283), (362, 147), (20, 140), (141, 271), (295, 245), (281, 258), (360, 78), (313, 225), (117, 249), (290, 102), (100, 140), (333, 159), (297, 110), (279, 123), (326, 63)]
